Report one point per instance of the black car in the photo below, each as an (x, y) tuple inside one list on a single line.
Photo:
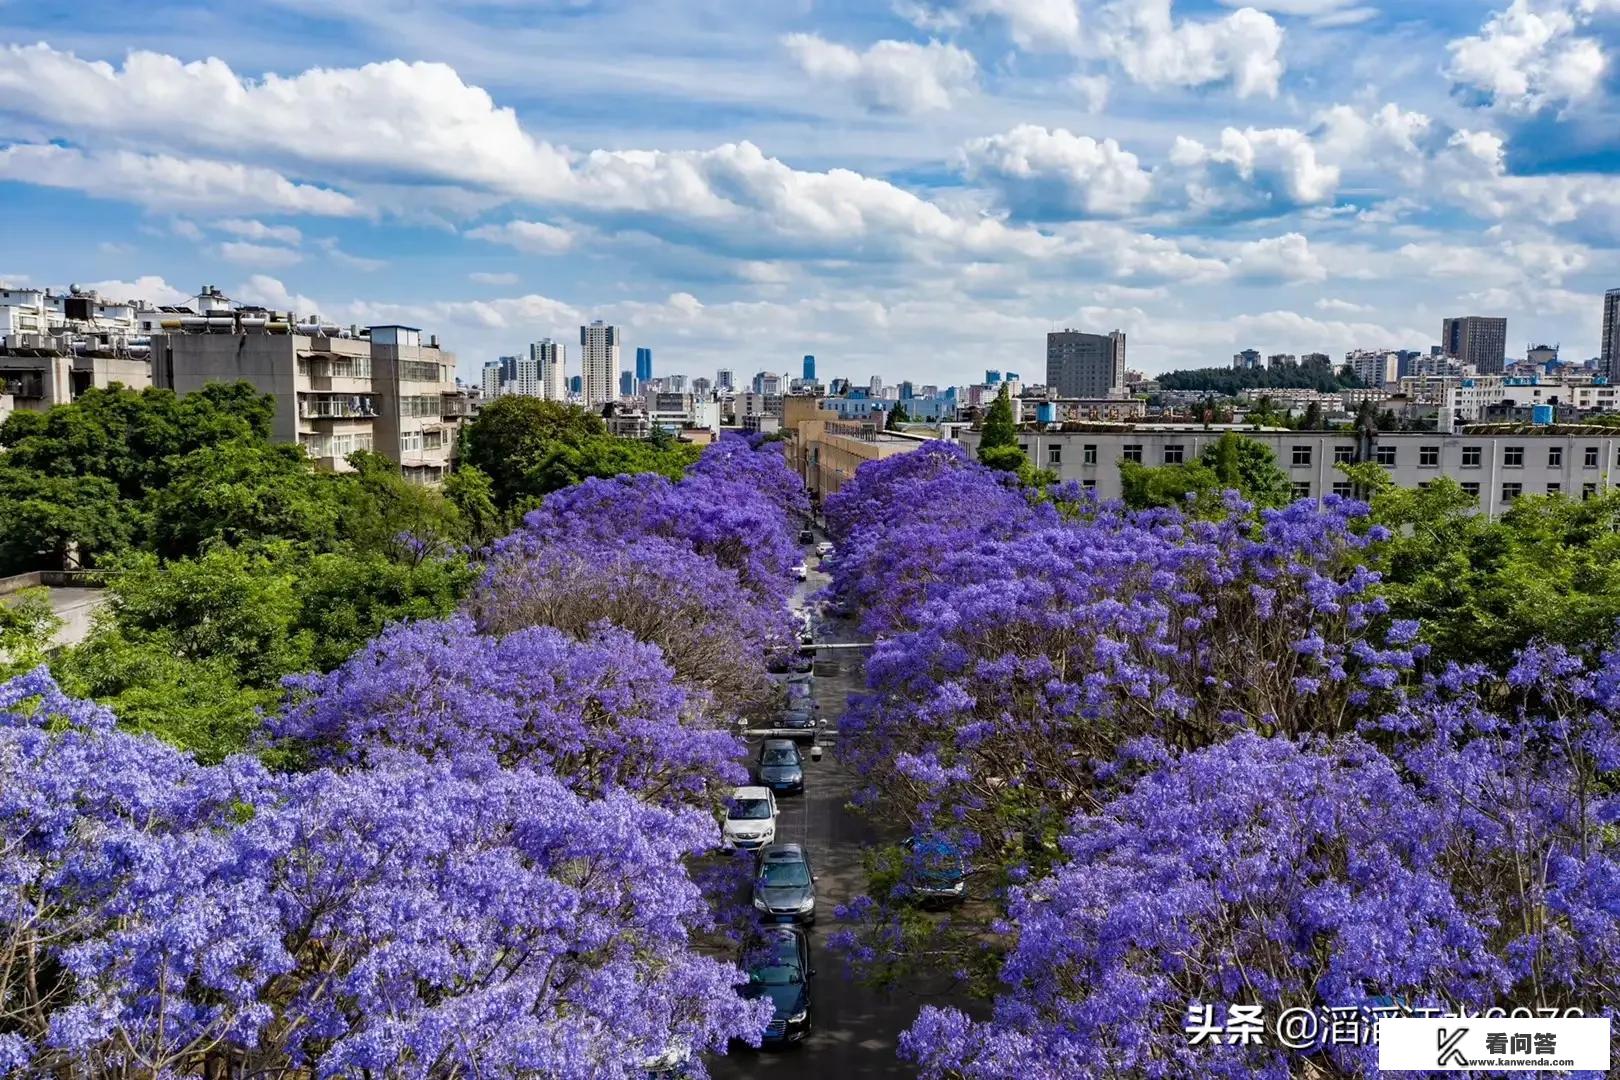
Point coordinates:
[(935, 869), (806, 536), (778, 966), (797, 723), (780, 767), (784, 887)]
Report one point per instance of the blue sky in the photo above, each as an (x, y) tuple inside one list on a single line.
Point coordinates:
[(919, 188)]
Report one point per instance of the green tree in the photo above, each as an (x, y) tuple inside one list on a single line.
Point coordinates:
[(1548, 569), (240, 492), (1231, 462), (27, 625), (48, 522), (378, 508), (469, 489), (1312, 420), (605, 456), (998, 434), (511, 434)]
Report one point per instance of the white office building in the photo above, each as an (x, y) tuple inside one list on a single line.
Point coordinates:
[(550, 361), (599, 364), (490, 381)]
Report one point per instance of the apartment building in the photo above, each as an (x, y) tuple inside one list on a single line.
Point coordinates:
[(55, 346), (1494, 467), (336, 389)]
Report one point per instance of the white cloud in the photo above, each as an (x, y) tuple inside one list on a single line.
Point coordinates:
[(149, 287), (1243, 48), (417, 119), (893, 76), (533, 237), (1254, 169), (1093, 91), (251, 229), (267, 291), (161, 181), (1532, 55), (1035, 25), (1319, 12), (330, 249), (1334, 304), (1285, 258), (265, 255), (486, 277), (1058, 173)]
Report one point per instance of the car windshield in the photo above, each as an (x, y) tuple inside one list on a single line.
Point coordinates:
[(779, 755), (784, 873), (750, 810), (776, 974)]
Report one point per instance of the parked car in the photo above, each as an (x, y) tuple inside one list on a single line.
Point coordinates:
[(801, 571), (673, 1064), (824, 549), (807, 536), (784, 887), (798, 722), (750, 818), (801, 694), (780, 766), (935, 868), (778, 967)]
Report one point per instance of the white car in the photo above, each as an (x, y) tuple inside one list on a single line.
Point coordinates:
[(801, 571), (750, 818), (824, 548)]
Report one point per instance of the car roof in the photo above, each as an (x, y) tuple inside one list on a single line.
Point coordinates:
[(778, 744), (753, 791), (782, 853)]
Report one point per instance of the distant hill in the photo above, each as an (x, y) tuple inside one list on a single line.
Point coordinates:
[(1228, 381)]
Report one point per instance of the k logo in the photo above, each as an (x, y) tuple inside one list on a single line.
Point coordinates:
[(1449, 1054)]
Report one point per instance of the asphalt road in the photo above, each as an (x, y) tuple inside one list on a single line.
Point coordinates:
[(856, 1028)]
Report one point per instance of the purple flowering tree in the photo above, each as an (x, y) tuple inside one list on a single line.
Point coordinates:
[(714, 634), (163, 918), (600, 714), (1253, 871)]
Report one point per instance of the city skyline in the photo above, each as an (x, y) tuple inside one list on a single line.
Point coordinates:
[(906, 189)]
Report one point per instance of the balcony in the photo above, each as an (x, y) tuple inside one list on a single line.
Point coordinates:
[(346, 407)]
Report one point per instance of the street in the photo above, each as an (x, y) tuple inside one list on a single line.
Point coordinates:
[(856, 1028)]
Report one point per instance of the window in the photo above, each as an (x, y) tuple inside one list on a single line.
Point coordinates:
[(1512, 457), (433, 440), (421, 371), (1511, 490), (1090, 485), (1555, 457), (1302, 455), (1344, 454), (419, 405), (1131, 452), (1588, 490), (410, 442), (1344, 488), (1089, 454), (1023, 448), (1173, 454), (1302, 489), (1054, 454), (1471, 488), (1384, 455), (1429, 457), (1591, 461), (1554, 487), (1470, 458)]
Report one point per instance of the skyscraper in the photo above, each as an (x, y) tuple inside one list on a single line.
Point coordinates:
[(525, 380), (491, 385), (1476, 339), (643, 365), (576, 385), (991, 378), (809, 368), (1611, 335), (548, 361), (599, 363), (724, 380), (508, 369), (1080, 365)]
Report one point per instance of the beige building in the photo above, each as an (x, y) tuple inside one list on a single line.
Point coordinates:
[(825, 451), (337, 390)]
